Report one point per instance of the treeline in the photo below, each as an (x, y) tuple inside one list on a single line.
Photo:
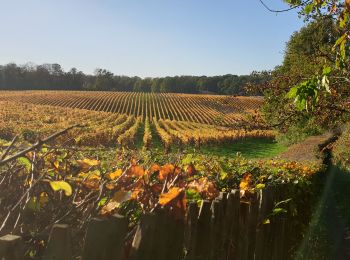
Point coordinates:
[(53, 77)]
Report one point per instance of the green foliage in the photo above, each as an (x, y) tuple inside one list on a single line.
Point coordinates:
[(299, 131), (341, 151)]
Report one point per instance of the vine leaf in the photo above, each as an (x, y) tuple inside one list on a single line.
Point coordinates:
[(61, 185), (172, 194)]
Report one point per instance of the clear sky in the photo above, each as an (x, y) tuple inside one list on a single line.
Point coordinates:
[(146, 37)]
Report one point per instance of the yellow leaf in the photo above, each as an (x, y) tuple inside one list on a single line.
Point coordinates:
[(61, 185), (260, 186), (246, 181), (113, 175), (266, 221), (172, 194), (56, 164), (86, 164)]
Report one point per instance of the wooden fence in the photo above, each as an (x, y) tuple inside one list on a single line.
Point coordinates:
[(225, 228)]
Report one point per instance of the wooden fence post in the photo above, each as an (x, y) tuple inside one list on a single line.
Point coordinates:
[(231, 227), (105, 238), (278, 246), (203, 239), (158, 236), (190, 231), (217, 222), (236, 226), (59, 245), (142, 245), (243, 231), (252, 226), (11, 247)]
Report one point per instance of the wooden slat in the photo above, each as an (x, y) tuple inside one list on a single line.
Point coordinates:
[(203, 240), (59, 245), (105, 238), (11, 247), (191, 229)]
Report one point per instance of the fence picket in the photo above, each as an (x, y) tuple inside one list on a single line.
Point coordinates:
[(203, 239), (105, 238), (59, 245), (11, 247)]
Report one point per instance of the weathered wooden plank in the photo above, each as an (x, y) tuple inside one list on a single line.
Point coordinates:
[(174, 229), (190, 231), (231, 228), (278, 246), (59, 245), (143, 242), (252, 226), (11, 247), (243, 231), (105, 238), (267, 236), (217, 229), (203, 239)]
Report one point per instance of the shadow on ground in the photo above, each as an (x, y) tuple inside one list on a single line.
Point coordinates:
[(328, 236)]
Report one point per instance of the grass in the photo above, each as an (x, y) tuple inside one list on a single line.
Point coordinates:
[(252, 148), (249, 148)]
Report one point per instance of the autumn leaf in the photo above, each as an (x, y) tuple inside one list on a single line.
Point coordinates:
[(154, 168), (246, 182), (190, 170), (113, 175), (121, 196), (166, 198), (61, 185), (86, 164), (56, 164), (136, 171), (165, 171), (108, 208), (118, 198), (205, 187)]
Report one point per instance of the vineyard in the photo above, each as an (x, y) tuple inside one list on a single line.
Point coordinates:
[(204, 109), (126, 119)]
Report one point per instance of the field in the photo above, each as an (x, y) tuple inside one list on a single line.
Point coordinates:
[(132, 120)]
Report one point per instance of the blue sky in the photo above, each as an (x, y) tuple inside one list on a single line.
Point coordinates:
[(146, 37)]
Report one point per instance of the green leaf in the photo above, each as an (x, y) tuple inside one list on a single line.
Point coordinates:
[(308, 8), (25, 162), (260, 186), (61, 185), (326, 70), (266, 221), (277, 211)]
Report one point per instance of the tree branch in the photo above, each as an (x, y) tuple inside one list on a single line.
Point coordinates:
[(37, 144)]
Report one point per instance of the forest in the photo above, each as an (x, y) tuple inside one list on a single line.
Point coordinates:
[(53, 77)]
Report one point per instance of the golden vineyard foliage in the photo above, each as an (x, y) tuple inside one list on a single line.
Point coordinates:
[(102, 129), (205, 109)]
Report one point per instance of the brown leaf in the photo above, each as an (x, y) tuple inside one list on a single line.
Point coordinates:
[(86, 163), (205, 187), (136, 171), (190, 170), (165, 171)]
